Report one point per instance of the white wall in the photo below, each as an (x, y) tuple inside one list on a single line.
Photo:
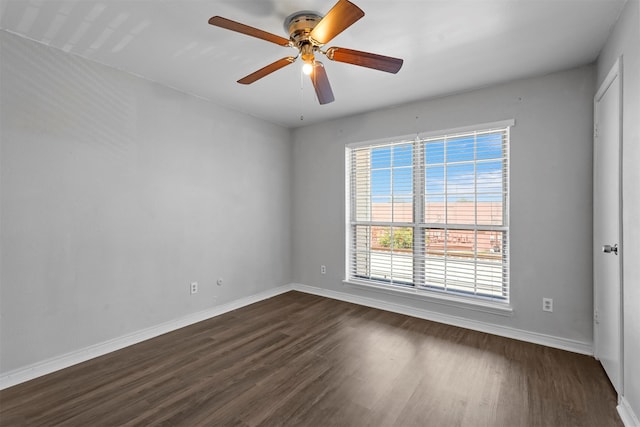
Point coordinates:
[(551, 184), (625, 41), (116, 193)]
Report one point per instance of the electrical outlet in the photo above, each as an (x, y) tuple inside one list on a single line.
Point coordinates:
[(547, 304), (323, 269), (194, 288)]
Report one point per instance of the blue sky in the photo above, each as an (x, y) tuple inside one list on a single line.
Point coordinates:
[(391, 169)]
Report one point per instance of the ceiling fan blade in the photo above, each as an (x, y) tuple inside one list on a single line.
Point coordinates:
[(228, 24), (265, 71), (321, 84), (365, 59), (341, 16)]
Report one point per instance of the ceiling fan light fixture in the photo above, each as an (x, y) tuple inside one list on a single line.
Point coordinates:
[(307, 68)]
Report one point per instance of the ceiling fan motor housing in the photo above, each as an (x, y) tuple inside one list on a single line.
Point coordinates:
[(299, 26)]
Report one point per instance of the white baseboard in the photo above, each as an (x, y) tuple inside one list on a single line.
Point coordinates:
[(627, 415), (504, 331), (48, 366)]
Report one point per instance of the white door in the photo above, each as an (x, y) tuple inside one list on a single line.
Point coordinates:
[(606, 228)]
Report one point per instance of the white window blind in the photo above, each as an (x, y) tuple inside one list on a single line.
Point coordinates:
[(432, 213)]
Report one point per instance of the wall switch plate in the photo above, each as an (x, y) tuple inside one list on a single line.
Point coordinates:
[(323, 269), (547, 304), (194, 288)]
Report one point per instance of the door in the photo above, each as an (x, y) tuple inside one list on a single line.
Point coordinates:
[(607, 254)]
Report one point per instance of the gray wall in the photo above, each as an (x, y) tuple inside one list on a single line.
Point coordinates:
[(551, 188), (625, 41), (116, 193)]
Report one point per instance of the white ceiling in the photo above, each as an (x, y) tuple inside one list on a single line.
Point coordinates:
[(448, 46)]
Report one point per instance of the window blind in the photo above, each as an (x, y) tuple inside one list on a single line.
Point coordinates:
[(432, 213)]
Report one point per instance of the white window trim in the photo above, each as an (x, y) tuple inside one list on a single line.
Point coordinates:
[(432, 133), (452, 300), (475, 303)]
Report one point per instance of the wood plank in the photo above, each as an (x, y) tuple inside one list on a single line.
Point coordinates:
[(299, 359)]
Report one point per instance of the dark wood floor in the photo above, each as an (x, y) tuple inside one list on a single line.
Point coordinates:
[(304, 360)]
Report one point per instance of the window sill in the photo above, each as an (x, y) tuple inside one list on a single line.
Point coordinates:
[(466, 303)]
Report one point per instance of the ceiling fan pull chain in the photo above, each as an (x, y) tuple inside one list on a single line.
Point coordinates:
[(301, 95)]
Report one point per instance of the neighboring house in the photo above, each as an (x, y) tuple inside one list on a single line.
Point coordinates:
[(489, 244)]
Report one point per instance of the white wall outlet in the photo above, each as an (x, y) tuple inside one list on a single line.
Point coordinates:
[(323, 269), (194, 288), (547, 304), (219, 281)]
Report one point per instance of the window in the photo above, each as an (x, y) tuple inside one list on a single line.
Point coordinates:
[(431, 213)]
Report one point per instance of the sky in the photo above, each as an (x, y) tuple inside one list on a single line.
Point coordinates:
[(391, 169)]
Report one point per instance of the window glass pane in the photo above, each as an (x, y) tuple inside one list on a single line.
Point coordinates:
[(381, 182), (402, 239), (403, 211), (489, 177), (362, 207), (381, 252), (434, 263), (391, 254), (490, 246), (402, 268), (403, 194), (398, 239), (434, 275), (489, 213), (461, 275), (360, 251), (403, 183), (490, 276), (489, 146), (381, 209), (403, 155), (435, 210), (489, 280), (461, 179), (381, 158), (434, 241), (434, 152), (460, 243), (361, 185), (461, 209), (380, 238), (460, 149), (434, 180)]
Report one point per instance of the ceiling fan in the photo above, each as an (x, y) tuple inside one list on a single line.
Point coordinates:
[(309, 32)]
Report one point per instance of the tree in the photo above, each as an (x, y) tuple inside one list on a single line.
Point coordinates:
[(402, 238)]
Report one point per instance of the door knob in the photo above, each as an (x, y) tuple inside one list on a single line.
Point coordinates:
[(608, 249)]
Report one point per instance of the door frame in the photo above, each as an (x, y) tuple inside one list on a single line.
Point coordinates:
[(614, 73)]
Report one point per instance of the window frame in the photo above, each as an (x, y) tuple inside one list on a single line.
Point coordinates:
[(418, 286)]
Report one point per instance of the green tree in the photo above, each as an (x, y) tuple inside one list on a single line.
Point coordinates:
[(402, 238)]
